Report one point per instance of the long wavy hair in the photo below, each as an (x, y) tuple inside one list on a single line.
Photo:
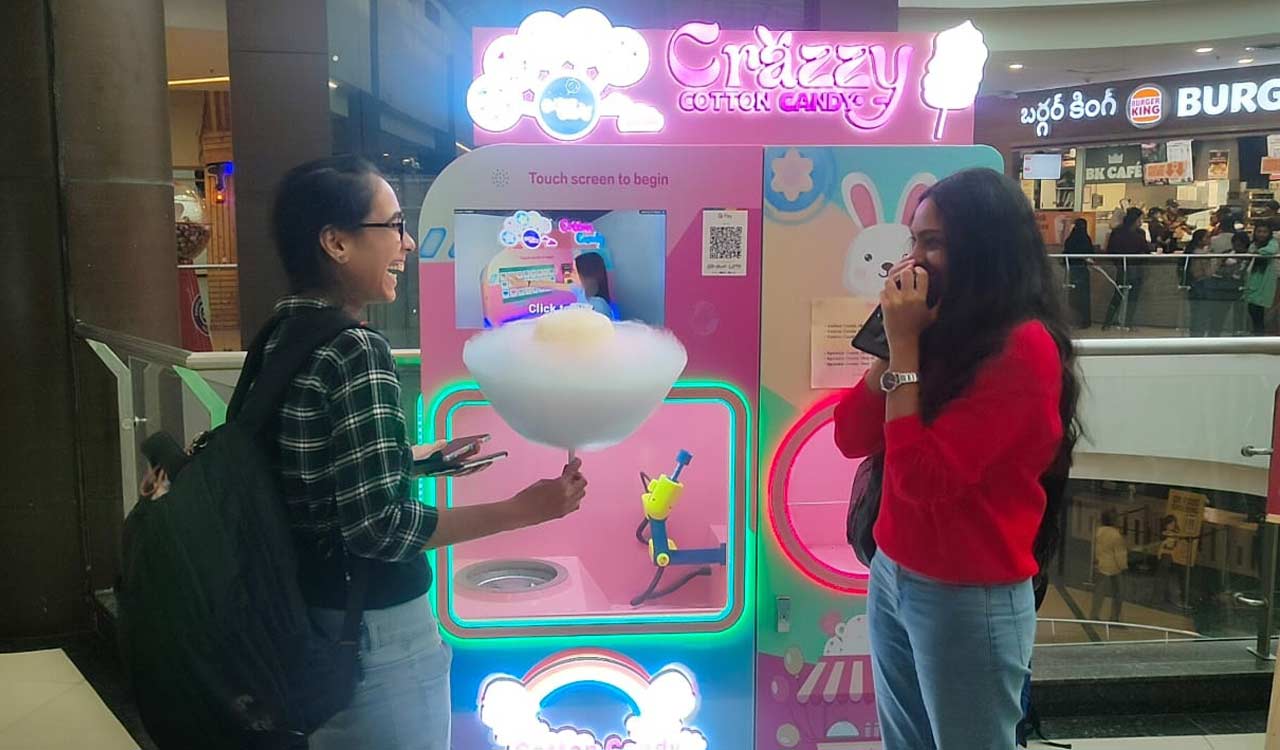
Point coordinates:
[(998, 276)]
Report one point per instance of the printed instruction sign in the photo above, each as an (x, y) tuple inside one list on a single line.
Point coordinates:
[(1180, 536), (724, 243), (833, 362)]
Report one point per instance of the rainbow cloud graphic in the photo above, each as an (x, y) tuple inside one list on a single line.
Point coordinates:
[(511, 707)]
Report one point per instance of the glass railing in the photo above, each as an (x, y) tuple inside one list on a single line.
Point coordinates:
[(1175, 295), (1166, 420)]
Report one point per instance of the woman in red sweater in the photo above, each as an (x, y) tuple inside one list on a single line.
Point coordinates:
[(974, 407)]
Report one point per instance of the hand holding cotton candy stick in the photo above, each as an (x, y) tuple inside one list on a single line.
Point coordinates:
[(954, 72)]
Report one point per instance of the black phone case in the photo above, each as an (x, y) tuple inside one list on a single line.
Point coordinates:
[(872, 339)]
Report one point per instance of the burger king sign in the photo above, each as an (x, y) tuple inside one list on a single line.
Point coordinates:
[(1146, 106)]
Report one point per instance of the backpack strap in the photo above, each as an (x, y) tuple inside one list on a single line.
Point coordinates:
[(261, 390), (258, 396)]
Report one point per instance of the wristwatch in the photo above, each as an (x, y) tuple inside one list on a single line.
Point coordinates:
[(892, 381)]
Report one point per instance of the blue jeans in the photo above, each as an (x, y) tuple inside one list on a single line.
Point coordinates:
[(949, 661), (402, 700)]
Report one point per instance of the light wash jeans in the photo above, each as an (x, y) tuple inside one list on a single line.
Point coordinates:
[(949, 661), (402, 699)]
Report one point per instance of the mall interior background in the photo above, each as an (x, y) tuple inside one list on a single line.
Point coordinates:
[(142, 140)]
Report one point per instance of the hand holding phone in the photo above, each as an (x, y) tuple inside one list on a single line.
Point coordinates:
[(872, 338), (456, 456)]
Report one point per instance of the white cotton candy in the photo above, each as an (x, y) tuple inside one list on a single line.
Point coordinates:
[(573, 379)]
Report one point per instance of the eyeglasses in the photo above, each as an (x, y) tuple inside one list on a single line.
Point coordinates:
[(396, 224)]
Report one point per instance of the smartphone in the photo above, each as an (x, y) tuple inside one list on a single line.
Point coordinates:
[(872, 338), (455, 450), (466, 466)]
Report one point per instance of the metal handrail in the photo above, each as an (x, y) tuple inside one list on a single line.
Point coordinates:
[(1158, 256), (1132, 347), (1130, 625), (134, 346), (165, 354)]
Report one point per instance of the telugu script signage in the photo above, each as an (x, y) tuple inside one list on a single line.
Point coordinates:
[(1241, 95), (578, 78)]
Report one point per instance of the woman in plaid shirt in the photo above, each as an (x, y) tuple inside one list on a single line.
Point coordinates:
[(345, 461)]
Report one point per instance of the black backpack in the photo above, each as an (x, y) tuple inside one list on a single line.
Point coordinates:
[(214, 631)]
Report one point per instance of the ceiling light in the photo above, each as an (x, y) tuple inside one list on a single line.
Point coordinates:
[(1015, 66), (199, 81), (334, 58), (1204, 50), (1250, 49), (1245, 60), (333, 84)]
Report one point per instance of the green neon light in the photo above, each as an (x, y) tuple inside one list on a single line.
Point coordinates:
[(742, 626), (731, 565), (205, 394)]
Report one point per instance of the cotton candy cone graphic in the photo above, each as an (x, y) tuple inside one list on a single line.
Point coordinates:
[(954, 72), (573, 379)]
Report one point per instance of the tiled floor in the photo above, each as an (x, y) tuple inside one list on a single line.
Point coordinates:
[(46, 704)]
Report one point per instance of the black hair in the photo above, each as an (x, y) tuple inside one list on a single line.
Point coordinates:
[(336, 191), (1198, 237), (1108, 518), (1241, 238), (1132, 217), (592, 265), (998, 277)]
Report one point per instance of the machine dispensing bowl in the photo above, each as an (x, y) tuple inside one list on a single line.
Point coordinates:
[(510, 576)]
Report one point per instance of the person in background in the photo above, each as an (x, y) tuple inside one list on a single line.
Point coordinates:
[(1167, 574), (1197, 276), (1111, 560), (1273, 319), (1080, 293), (1158, 232), (974, 409), (1128, 239), (1260, 287), (589, 284), (345, 463), (1224, 226)]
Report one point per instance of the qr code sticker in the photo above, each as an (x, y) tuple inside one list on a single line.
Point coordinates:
[(725, 242)]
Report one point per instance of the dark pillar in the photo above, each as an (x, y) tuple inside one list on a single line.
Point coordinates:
[(279, 61), (87, 225), (852, 15)]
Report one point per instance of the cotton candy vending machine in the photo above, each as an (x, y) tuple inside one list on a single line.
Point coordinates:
[(637, 622)]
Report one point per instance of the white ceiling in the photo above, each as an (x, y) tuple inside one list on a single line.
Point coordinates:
[(1059, 42), (1045, 69)]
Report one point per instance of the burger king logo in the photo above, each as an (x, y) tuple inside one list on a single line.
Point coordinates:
[(1146, 108)]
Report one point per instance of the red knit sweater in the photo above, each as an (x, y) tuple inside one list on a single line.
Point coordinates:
[(961, 499)]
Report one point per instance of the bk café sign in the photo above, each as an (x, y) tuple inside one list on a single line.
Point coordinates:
[(579, 78)]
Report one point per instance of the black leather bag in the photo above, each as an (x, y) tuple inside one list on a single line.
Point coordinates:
[(864, 507)]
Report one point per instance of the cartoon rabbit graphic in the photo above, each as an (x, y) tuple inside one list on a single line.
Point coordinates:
[(879, 245)]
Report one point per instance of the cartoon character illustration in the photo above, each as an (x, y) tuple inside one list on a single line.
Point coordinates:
[(878, 245)]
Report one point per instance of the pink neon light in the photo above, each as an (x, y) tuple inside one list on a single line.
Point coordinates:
[(804, 560), (721, 86), (568, 226), (703, 35)]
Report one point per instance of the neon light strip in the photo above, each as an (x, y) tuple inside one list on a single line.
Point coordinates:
[(655, 618), (824, 575), (599, 668)]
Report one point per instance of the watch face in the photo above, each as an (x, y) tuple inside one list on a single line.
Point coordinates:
[(888, 381)]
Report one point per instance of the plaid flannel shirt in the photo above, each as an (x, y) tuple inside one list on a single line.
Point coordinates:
[(342, 442)]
